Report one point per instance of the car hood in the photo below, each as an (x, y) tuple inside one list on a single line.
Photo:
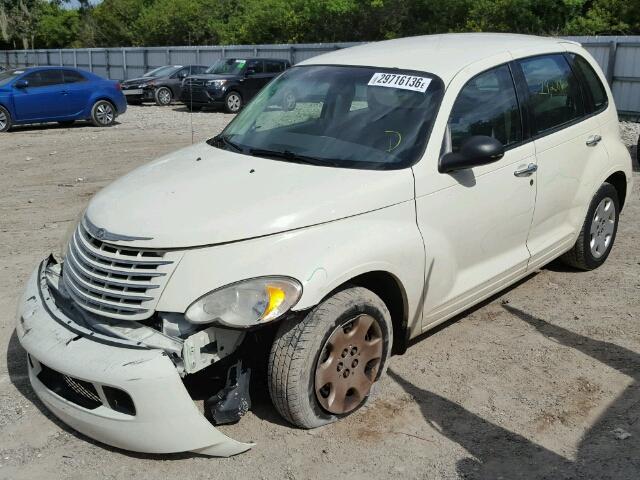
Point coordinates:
[(203, 195), (135, 81)]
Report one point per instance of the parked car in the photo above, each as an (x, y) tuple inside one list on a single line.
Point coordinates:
[(231, 82), (161, 85), (2, 69), (58, 94), (413, 179)]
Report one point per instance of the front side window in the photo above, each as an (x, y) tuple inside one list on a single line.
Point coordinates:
[(45, 78), (273, 67), (230, 66), (592, 82), (9, 75), (343, 116), (163, 71), (554, 91), (487, 105)]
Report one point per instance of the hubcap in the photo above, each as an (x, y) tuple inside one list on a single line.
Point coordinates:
[(104, 113), (233, 102), (602, 226), (3, 120), (164, 96), (348, 364)]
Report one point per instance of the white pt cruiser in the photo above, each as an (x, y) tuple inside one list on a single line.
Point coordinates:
[(363, 197)]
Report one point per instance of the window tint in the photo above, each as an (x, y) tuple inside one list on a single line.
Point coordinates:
[(273, 67), (198, 70), (554, 91), (44, 78), (255, 65), (71, 76), (592, 82), (487, 105)]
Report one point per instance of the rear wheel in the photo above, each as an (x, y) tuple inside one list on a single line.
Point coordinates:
[(103, 114), (323, 367), (164, 96), (233, 102), (5, 120), (598, 231)]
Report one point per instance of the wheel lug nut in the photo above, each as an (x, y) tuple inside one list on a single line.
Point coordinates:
[(344, 353), (354, 364), (340, 366), (354, 350), (346, 373)]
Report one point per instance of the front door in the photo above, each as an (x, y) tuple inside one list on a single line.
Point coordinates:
[(254, 80), (43, 98), (475, 222)]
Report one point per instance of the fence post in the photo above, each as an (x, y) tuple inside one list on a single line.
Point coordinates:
[(197, 56), (255, 51), (145, 60), (91, 60), (611, 63), (168, 57), (124, 64), (292, 54)]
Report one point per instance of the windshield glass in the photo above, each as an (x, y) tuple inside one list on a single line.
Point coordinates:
[(162, 71), (354, 117), (230, 66), (8, 76)]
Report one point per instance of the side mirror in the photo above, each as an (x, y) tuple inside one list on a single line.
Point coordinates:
[(477, 150), (182, 75), (21, 84), (250, 71)]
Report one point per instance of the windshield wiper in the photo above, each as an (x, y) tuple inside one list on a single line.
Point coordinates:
[(291, 157), (219, 140)]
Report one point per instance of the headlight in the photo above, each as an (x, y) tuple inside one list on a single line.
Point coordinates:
[(61, 251), (216, 83), (247, 303)]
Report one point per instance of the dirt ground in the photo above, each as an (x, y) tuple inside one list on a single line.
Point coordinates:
[(542, 381)]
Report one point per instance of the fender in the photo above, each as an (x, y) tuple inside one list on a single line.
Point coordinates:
[(383, 240)]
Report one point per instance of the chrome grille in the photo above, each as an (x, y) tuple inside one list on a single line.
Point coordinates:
[(112, 280)]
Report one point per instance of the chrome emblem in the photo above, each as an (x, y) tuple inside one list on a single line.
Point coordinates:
[(104, 234)]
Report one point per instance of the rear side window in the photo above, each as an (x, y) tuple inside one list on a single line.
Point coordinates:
[(45, 78), (487, 105), (71, 76), (594, 86), (554, 91), (273, 67)]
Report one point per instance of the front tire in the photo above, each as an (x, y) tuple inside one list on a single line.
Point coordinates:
[(5, 120), (163, 96), (233, 102), (322, 368), (598, 231), (103, 114)]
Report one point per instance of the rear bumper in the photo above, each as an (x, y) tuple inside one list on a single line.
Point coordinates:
[(164, 418)]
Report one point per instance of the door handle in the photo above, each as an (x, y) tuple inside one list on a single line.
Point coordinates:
[(527, 171), (593, 140)]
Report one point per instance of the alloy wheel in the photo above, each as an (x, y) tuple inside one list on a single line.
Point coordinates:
[(3, 120), (602, 227), (348, 364), (104, 113), (234, 102), (164, 96)]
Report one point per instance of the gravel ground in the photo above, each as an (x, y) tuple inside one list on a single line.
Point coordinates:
[(541, 381)]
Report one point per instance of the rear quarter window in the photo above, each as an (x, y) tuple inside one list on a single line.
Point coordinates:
[(595, 88)]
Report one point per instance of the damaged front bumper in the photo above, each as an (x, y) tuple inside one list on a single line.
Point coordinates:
[(116, 391)]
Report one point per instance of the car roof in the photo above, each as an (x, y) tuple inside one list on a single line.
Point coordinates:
[(443, 55), (284, 60)]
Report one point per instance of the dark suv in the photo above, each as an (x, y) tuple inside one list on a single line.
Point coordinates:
[(230, 82), (160, 85)]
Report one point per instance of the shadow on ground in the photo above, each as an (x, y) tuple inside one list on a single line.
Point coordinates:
[(499, 453)]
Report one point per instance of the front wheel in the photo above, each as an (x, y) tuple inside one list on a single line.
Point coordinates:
[(5, 120), (323, 367), (103, 114), (233, 102), (163, 96), (598, 231)]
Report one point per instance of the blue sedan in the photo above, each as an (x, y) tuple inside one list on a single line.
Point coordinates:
[(58, 94)]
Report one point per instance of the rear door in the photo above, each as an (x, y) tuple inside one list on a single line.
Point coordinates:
[(44, 98), (567, 139), (78, 91), (254, 80)]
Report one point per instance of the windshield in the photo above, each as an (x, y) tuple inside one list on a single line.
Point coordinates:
[(162, 71), (231, 66), (8, 76), (353, 117)]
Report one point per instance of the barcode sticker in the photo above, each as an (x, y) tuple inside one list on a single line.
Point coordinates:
[(405, 82)]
